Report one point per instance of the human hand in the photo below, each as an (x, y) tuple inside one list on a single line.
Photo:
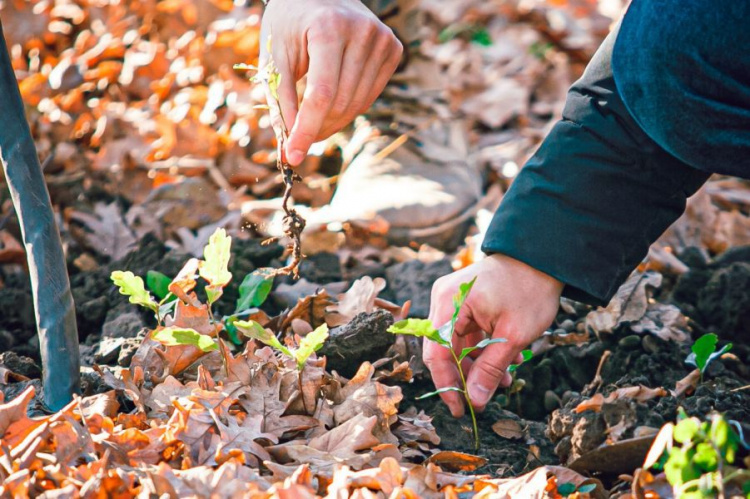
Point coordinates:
[(509, 300), (347, 54)]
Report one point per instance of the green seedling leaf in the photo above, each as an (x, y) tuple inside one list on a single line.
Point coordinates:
[(255, 331), (705, 457), (585, 489), (254, 289), (274, 82), (526, 355), (438, 392), (704, 351), (481, 37), (214, 268), (686, 429), (158, 283), (565, 489), (419, 327), (174, 336), (167, 308), (312, 342), (485, 342), (132, 286)]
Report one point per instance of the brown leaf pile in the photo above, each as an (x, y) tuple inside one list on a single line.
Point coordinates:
[(248, 428)]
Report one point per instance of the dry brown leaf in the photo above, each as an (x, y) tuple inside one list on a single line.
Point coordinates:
[(360, 298), (687, 384), (638, 393), (508, 428), (457, 461), (363, 396), (185, 282), (629, 304)]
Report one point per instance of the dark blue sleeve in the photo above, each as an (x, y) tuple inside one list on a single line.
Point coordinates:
[(595, 195)]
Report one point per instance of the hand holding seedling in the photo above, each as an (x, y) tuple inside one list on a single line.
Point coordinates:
[(509, 300), (347, 54)]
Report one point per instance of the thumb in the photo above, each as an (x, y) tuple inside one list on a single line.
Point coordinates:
[(488, 372)]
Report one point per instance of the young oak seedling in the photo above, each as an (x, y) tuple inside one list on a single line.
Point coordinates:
[(444, 338), (214, 270), (312, 342), (704, 352)]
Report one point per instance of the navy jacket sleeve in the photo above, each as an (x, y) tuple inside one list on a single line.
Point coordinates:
[(595, 195)]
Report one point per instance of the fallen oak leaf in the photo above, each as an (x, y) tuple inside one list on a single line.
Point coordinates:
[(341, 445), (508, 428), (360, 298), (638, 393), (687, 384), (457, 461)]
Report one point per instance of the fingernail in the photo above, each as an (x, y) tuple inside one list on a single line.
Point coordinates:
[(479, 395), (295, 157)]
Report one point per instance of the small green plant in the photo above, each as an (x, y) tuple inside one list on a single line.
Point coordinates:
[(311, 342), (444, 338), (704, 352), (698, 457), (516, 384), (214, 270)]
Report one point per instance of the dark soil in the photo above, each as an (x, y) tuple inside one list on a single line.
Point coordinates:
[(715, 295)]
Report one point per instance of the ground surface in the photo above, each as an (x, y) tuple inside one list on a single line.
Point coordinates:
[(143, 130)]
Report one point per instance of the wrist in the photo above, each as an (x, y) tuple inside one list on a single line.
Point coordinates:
[(522, 272)]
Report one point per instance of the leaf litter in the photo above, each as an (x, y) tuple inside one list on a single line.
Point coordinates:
[(144, 127)]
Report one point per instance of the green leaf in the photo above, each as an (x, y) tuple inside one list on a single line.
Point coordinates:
[(231, 329), (460, 298), (132, 286), (167, 308), (565, 489), (254, 289), (705, 457), (419, 327), (158, 283), (704, 351), (485, 342), (439, 391), (724, 437), (253, 330), (482, 37), (526, 355), (686, 430), (446, 332), (274, 82), (174, 336), (214, 268), (312, 342), (585, 489), (679, 468)]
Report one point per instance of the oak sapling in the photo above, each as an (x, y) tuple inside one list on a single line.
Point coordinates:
[(444, 337), (698, 457), (311, 342), (214, 270), (704, 352)]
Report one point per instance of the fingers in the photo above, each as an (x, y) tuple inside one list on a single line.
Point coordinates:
[(489, 371), (349, 102), (326, 55), (440, 362), (380, 74)]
